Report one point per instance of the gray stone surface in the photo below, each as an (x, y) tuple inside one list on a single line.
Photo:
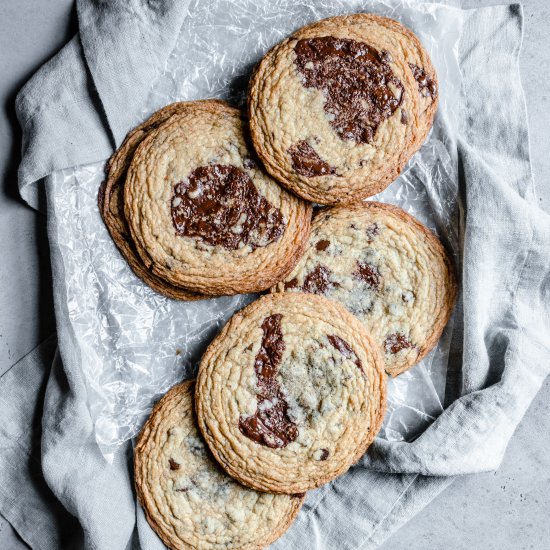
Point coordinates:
[(32, 31), (503, 510)]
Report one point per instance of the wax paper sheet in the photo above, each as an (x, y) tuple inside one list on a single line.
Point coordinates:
[(135, 344)]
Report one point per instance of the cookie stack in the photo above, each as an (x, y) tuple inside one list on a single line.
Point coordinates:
[(202, 202), (192, 210)]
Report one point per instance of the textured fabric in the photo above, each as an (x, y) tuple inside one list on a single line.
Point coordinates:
[(81, 104), (26, 501)]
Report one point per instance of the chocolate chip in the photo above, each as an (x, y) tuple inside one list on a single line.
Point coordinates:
[(372, 231), (368, 273), (344, 348), (426, 85), (174, 465), (293, 283), (318, 281), (394, 343), (322, 245), (307, 162)]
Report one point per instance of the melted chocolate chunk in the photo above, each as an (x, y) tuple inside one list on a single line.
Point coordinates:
[(306, 161), (344, 348), (324, 454), (355, 79), (322, 245), (318, 281), (426, 85), (404, 117), (293, 283), (270, 425), (368, 273), (173, 464), (220, 205), (396, 342)]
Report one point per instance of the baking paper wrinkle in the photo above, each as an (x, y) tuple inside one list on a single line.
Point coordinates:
[(136, 343)]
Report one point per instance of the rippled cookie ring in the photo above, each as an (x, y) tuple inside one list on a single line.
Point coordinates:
[(188, 499), (111, 199), (388, 269), (338, 108), (203, 215), (291, 393)]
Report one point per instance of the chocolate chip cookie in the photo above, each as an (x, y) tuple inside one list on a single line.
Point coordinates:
[(388, 269), (202, 213), (291, 393), (338, 108), (111, 200), (188, 499)]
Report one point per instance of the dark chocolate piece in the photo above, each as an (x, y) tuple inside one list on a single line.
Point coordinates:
[(368, 274), (322, 245), (270, 425), (324, 454), (394, 343), (355, 79), (293, 283), (220, 205), (318, 281), (372, 231), (344, 348), (426, 85), (307, 162)]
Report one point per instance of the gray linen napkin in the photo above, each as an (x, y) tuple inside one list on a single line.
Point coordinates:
[(74, 111)]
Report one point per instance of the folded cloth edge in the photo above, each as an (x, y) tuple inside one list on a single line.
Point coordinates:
[(34, 124)]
